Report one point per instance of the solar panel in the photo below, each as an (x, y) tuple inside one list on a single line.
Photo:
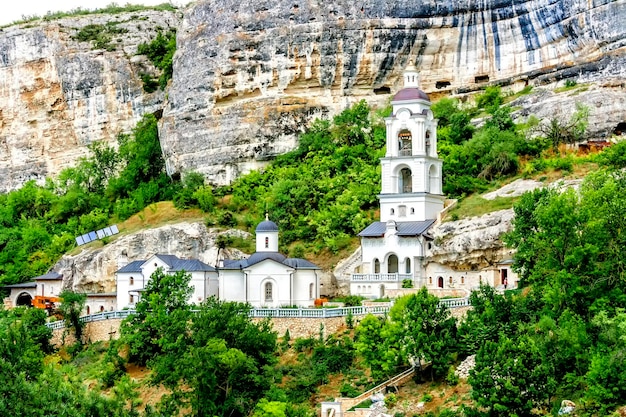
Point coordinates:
[(98, 234)]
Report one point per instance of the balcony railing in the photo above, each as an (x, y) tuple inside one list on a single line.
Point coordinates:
[(393, 277)]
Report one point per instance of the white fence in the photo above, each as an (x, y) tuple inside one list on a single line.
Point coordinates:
[(393, 277), (321, 313)]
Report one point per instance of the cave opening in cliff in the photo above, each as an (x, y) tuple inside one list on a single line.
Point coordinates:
[(442, 84), (620, 129), (382, 90), (481, 79)]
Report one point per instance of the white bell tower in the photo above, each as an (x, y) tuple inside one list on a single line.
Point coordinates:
[(411, 170)]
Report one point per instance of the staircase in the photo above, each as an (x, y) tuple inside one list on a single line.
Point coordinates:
[(340, 407)]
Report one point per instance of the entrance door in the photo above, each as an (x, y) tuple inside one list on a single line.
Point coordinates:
[(504, 277), (440, 282)]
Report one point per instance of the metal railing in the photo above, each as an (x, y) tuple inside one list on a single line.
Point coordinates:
[(302, 312), (381, 277)]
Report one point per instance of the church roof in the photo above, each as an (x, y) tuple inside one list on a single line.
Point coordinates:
[(409, 94), (51, 276), (173, 262), (300, 263), (134, 266), (31, 284), (267, 226), (257, 257), (378, 229)]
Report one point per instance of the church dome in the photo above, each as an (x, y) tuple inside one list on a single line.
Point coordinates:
[(409, 94), (267, 226)]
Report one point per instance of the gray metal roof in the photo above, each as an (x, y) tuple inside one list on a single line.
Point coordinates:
[(191, 265), (300, 263), (173, 262), (52, 276), (134, 266), (31, 284), (255, 258), (378, 229)]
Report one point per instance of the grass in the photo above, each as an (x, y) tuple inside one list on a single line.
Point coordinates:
[(475, 205), (113, 8)]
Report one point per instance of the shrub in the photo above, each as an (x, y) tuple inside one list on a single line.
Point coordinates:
[(348, 390), (427, 398), (407, 283), (452, 378), (391, 400)]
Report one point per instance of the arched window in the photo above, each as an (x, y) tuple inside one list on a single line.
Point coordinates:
[(358, 289), (392, 264), (404, 143), (382, 291), (311, 287), (450, 280), (268, 292), (407, 265), (392, 212), (406, 181), (433, 183), (102, 309), (376, 266), (131, 299), (440, 282), (430, 280), (267, 242), (132, 280), (88, 310), (462, 280), (412, 210), (427, 142)]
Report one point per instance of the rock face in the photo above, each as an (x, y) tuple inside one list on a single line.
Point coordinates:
[(93, 270), (249, 76), (58, 95), (473, 243)]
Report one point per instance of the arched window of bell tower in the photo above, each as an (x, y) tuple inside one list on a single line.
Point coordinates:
[(405, 181), (404, 143), (427, 142), (433, 183)]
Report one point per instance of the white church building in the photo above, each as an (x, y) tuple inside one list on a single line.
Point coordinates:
[(393, 250), (266, 279)]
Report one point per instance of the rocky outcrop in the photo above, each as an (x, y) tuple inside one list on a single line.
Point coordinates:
[(93, 269), (471, 244), (248, 77), (58, 95)]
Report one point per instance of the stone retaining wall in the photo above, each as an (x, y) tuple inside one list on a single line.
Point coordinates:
[(94, 331), (298, 327)]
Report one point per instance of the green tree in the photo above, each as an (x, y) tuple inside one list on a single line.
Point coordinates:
[(224, 368), (71, 307), (427, 330), (511, 378), (160, 321)]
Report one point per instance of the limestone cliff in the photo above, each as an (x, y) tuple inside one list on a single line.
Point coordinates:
[(93, 269), (58, 95), (249, 76)]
